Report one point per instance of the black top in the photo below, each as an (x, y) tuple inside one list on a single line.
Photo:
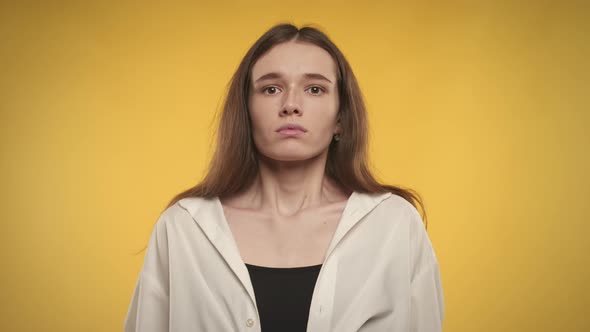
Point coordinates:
[(283, 296)]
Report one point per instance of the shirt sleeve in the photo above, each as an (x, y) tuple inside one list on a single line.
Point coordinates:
[(149, 307), (426, 294)]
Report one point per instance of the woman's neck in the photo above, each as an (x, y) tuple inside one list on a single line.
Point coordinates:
[(285, 188)]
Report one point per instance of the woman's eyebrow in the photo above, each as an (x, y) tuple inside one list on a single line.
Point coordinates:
[(317, 77), (275, 75)]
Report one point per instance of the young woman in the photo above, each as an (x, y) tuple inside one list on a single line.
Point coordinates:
[(289, 231)]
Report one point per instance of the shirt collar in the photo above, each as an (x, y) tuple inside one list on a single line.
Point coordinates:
[(208, 215)]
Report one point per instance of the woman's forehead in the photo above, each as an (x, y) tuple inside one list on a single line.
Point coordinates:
[(295, 59)]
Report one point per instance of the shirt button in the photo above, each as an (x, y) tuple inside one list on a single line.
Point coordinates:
[(250, 322)]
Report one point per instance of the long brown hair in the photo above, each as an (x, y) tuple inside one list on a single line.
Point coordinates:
[(235, 164)]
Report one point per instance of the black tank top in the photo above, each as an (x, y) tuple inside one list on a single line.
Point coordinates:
[(283, 296)]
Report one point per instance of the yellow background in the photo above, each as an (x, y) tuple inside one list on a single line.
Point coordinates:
[(107, 108)]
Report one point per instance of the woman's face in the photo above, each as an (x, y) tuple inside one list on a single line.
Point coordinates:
[(294, 83)]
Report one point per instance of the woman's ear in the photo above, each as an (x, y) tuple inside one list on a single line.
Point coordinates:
[(338, 124)]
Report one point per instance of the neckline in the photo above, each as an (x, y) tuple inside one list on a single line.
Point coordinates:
[(308, 268), (209, 216), (347, 207), (226, 228)]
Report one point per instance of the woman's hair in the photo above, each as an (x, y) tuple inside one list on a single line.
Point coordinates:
[(234, 165)]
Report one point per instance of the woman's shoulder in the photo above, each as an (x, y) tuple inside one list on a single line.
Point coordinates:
[(399, 211), (183, 209), (394, 203), (193, 204)]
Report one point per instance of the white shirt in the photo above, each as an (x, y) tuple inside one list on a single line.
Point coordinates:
[(380, 273)]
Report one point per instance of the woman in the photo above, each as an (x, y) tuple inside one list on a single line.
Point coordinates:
[(289, 231)]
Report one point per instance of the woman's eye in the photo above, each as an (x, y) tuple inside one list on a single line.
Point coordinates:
[(270, 90), (316, 90)]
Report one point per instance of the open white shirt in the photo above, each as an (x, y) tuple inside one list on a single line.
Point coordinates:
[(380, 273)]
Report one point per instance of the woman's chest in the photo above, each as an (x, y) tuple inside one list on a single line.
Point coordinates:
[(287, 242)]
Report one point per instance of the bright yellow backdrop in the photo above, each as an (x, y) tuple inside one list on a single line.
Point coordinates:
[(107, 108)]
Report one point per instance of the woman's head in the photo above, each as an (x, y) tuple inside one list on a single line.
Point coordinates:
[(280, 81), (293, 83), (343, 111)]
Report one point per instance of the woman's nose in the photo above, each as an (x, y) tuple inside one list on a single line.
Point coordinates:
[(291, 104)]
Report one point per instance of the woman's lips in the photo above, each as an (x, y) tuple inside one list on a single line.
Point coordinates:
[(290, 132)]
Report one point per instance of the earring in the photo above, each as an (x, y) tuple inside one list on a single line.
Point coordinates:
[(337, 137)]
